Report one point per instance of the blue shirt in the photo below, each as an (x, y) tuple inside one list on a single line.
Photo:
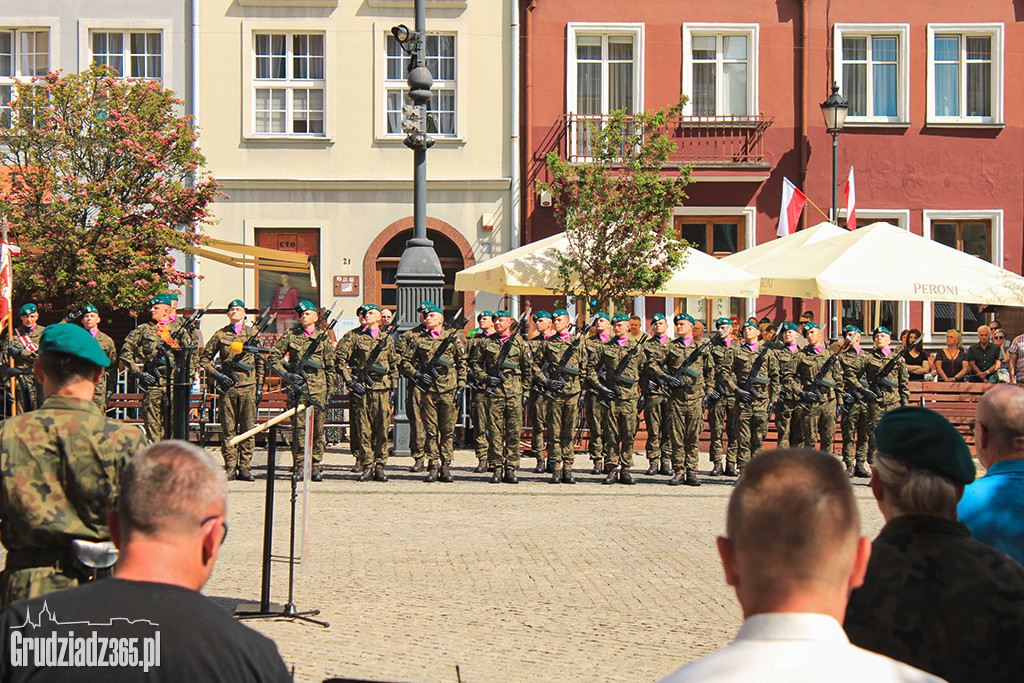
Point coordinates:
[(993, 508)]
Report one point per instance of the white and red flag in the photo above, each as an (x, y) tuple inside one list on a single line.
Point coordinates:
[(851, 203), (6, 280), (793, 201)]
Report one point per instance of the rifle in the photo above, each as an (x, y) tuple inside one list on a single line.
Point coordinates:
[(364, 376), (881, 382), (812, 393), (676, 375), (190, 323), (300, 367), (745, 394), (425, 377), (560, 374), (235, 364), (497, 370), (614, 391)]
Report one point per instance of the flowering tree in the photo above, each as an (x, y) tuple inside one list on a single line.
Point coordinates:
[(616, 210), (104, 185)]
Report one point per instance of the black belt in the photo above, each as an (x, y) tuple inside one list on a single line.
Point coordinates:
[(40, 557)]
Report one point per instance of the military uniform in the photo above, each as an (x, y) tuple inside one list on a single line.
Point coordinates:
[(477, 405), (818, 418), (894, 392), (622, 412), (237, 403), (413, 398), (565, 404), (721, 413), (594, 410), (854, 422), (686, 406), (24, 349), (320, 378), (787, 426), (504, 401), (99, 396), (659, 438), (370, 409), (357, 440), (539, 408), (752, 411)]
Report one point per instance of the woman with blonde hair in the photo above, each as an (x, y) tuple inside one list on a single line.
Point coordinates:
[(951, 362)]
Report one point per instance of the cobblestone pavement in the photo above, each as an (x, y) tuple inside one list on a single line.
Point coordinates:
[(535, 582)]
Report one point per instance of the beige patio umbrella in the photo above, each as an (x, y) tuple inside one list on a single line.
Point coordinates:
[(782, 247), (533, 269)]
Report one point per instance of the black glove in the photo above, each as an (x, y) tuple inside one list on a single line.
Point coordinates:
[(743, 395), (552, 384), (671, 381), (295, 378), (423, 379), (356, 388), (653, 387), (867, 394), (714, 394), (606, 393), (225, 382), (810, 397), (493, 381), (145, 379)]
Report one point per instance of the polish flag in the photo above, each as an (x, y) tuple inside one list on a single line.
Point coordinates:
[(851, 203), (6, 280), (793, 201)]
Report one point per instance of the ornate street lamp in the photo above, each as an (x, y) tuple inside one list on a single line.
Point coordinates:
[(834, 111)]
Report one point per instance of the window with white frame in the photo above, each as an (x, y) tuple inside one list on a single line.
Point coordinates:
[(141, 51), (872, 64), (720, 69), (289, 84), (441, 62), (24, 53), (965, 77)]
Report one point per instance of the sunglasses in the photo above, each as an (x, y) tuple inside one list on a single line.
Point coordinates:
[(223, 524)]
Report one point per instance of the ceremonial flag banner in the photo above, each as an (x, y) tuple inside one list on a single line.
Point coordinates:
[(851, 203), (6, 279), (793, 201)]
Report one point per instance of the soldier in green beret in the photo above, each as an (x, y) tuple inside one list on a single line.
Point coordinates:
[(478, 404), (236, 377), (854, 420), (659, 439), (558, 350), (405, 347), (594, 410), (754, 380), (538, 403), (817, 408), (622, 360), (887, 369), (23, 347), (722, 403), (787, 428), (90, 320), (60, 468)]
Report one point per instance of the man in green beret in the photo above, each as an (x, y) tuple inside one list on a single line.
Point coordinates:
[(933, 596), (149, 354), (659, 439), (721, 404), (622, 360), (538, 403), (236, 374), (317, 378), (90, 320), (23, 347), (405, 347), (478, 404), (754, 380), (886, 370), (854, 420), (817, 407), (787, 427), (60, 469), (567, 351), (594, 410)]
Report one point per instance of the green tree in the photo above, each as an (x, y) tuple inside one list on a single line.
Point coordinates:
[(616, 209), (105, 184)]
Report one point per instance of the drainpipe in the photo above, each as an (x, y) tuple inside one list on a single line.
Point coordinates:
[(514, 150), (802, 111), (193, 110)]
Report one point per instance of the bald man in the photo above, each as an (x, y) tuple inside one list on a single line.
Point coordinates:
[(993, 506), (793, 552)]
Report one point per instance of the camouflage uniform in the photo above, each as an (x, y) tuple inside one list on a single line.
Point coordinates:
[(504, 402), (319, 382), (413, 394), (437, 406), (621, 416), (59, 471), (895, 392), (594, 410), (818, 419), (356, 438), (659, 438), (539, 405), (145, 349), (855, 418), (237, 405), (787, 426), (478, 404), (564, 412), (24, 355), (685, 403), (721, 414), (371, 411), (752, 415), (940, 600), (109, 377)]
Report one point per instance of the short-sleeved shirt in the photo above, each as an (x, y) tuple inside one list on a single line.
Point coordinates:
[(1017, 349), (993, 508), (985, 358)]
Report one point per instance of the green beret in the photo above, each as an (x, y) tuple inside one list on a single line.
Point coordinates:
[(811, 326), (431, 308), (160, 300), (541, 314), (485, 314), (502, 314), (360, 311), (236, 303), (424, 305), (881, 329), (602, 314), (750, 323), (683, 316), (172, 295), (788, 326), (561, 311), (924, 438), (851, 328), (28, 309), (89, 308), (304, 306), (72, 340), (370, 307), (657, 317), (722, 321), (620, 318)]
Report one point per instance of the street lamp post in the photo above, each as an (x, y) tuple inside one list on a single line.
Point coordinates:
[(834, 111), (419, 277)]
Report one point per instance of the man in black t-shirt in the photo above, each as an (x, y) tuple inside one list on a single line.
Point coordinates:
[(984, 358), (149, 622)]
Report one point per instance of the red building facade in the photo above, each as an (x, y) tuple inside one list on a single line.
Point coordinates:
[(934, 131)]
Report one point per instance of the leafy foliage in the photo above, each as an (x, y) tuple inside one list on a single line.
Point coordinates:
[(106, 184), (616, 210)]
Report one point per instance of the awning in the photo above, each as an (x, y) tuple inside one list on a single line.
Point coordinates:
[(247, 256)]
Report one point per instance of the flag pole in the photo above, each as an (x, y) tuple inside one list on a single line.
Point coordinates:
[(10, 328), (819, 210)]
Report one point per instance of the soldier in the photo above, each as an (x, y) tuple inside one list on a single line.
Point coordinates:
[(24, 349), (565, 391), (659, 439), (237, 377), (148, 354), (413, 398), (369, 403), (60, 469), (504, 381), (316, 377), (594, 409), (538, 402), (787, 428), (356, 440), (438, 386), (722, 402), (817, 410), (893, 390), (622, 360), (478, 404), (686, 399), (91, 322), (854, 421), (753, 394)]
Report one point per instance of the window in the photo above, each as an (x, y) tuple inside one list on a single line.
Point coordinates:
[(280, 290), (141, 51), (975, 238), (965, 73), (871, 63), (719, 236), (289, 84), (720, 69), (440, 61), (24, 53)]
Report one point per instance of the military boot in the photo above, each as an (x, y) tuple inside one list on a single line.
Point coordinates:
[(556, 478), (625, 477), (358, 466), (431, 472), (598, 468), (481, 465), (378, 473), (730, 470), (862, 472), (542, 465), (677, 479), (691, 479), (613, 476), (850, 470), (496, 476), (510, 476), (445, 475), (317, 474), (417, 465), (367, 474), (245, 474), (230, 473), (567, 477), (717, 470), (666, 468), (653, 469)]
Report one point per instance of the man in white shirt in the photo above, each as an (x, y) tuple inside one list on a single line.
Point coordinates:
[(793, 552)]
